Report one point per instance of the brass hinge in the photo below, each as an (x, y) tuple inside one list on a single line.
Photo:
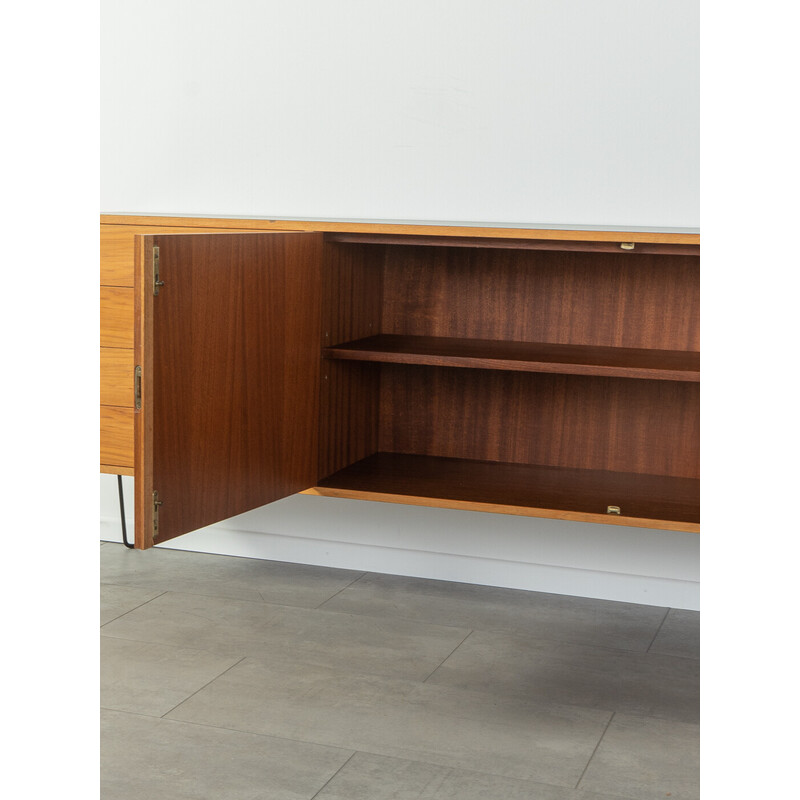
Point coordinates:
[(137, 388), (156, 282), (156, 504)]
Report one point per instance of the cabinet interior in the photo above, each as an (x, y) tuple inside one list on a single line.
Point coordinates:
[(542, 381)]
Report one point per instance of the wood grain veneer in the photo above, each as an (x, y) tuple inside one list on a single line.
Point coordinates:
[(533, 490), (116, 248), (405, 228), (234, 395), (116, 317), (498, 508), (349, 414), (116, 376), (351, 308), (615, 424), (606, 300), (116, 469), (143, 416), (623, 362), (116, 436), (352, 288), (525, 371)]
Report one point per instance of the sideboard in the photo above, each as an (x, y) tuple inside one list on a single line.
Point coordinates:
[(530, 371)]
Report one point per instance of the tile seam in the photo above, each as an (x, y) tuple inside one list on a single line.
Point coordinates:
[(124, 613), (208, 683), (658, 630), (321, 788), (441, 663), (602, 736), (336, 594)]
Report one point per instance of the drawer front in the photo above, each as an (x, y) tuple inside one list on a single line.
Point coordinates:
[(116, 436), (116, 317), (116, 249), (116, 377)]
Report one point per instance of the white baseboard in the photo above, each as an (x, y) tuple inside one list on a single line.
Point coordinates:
[(581, 559)]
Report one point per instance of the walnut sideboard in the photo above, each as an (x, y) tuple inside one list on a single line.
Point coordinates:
[(548, 373)]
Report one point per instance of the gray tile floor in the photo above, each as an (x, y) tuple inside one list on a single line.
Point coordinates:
[(237, 679)]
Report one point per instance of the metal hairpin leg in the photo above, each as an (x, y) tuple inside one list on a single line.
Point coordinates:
[(122, 513)]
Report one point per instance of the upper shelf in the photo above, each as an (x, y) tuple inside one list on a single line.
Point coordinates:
[(625, 243), (570, 359)]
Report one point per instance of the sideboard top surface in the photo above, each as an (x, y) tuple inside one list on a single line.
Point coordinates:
[(575, 233)]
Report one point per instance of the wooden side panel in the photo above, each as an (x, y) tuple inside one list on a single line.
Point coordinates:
[(116, 376), (349, 420), (143, 416), (352, 291), (233, 394), (612, 300), (116, 437), (595, 423), (116, 317)]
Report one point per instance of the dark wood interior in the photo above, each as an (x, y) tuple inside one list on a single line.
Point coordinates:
[(518, 485), (352, 287), (234, 395), (556, 420), (554, 375), (573, 372), (568, 359), (602, 299)]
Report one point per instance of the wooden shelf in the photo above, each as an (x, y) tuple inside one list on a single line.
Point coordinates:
[(650, 501), (619, 362)]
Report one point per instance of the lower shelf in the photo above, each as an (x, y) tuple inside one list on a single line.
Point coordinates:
[(647, 501)]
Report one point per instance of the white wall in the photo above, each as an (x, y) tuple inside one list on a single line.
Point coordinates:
[(573, 112), (518, 111)]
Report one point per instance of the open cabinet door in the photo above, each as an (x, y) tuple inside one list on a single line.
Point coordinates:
[(228, 341)]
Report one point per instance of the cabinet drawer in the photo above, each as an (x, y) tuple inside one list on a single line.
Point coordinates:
[(116, 377), (116, 436), (116, 317)]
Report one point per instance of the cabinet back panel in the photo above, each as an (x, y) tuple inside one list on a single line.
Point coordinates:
[(605, 299), (582, 422)]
